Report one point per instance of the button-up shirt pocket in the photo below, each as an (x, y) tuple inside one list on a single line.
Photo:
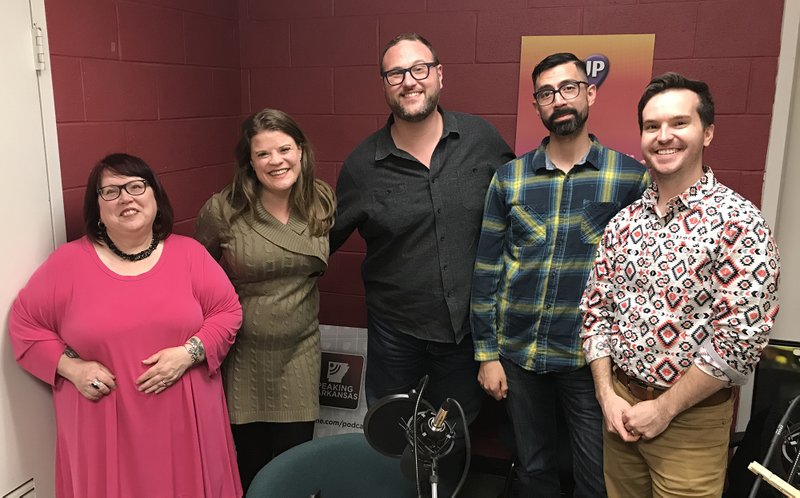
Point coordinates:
[(528, 228), (392, 209)]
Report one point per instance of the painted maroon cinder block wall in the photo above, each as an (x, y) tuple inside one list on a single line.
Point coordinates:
[(170, 80)]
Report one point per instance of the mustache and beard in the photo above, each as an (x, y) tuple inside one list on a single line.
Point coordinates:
[(428, 106), (566, 127)]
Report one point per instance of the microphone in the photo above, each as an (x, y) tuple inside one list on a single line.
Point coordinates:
[(437, 424), (434, 434), (405, 426), (435, 438)]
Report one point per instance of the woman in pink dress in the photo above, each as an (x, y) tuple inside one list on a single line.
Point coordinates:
[(129, 325)]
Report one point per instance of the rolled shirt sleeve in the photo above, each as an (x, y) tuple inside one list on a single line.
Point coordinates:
[(745, 297), (597, 304)]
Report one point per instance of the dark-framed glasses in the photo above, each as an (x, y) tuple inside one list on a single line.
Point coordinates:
[(418, 71), (133, 187), (568, 91)]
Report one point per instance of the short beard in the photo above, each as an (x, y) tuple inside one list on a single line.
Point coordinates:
[(431, 101), (568, 127)]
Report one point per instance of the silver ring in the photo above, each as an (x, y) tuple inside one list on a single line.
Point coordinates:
[(164, 383), (96, 384)]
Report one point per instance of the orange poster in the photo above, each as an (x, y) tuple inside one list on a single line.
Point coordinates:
[(620, 66)]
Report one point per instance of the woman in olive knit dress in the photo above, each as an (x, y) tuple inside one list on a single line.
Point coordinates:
[(269, 231)]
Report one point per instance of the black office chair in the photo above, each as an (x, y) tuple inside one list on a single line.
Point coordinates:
[(783, 455), (340, 466)]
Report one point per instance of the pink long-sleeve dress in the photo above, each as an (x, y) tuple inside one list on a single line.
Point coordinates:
[(130, 444)]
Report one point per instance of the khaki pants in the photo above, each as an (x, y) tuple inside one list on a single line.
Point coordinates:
[(687, 460)]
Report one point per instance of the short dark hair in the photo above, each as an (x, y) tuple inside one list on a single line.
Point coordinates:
[(675, 81), (406, 37), (554, 60), (125, 165)]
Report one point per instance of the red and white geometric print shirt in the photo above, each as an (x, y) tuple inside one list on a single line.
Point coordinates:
[(696, 286)]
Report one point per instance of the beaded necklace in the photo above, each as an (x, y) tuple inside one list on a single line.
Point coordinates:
[(129, 257)]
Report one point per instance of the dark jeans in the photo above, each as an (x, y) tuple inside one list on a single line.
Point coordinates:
[(396, 362), (532, 407), (259, 442)]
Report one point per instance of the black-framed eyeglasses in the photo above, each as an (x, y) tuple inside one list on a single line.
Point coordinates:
[(568, 91), (133, 187), (418, 71)]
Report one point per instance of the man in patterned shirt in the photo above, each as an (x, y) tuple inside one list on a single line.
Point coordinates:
[(544, 215), (678, 307)]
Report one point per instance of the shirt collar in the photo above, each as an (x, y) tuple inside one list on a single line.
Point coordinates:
[(385, 145), (690, 197), (592, 157)]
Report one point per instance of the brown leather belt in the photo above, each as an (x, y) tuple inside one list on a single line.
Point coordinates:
[(643, 391)]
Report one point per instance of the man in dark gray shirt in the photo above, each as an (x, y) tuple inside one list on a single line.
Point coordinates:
[(415, 190)]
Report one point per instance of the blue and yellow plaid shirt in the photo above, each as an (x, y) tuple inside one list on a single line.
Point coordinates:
[(539, 236)]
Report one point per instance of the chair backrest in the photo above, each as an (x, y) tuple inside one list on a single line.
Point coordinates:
[(340, 466)]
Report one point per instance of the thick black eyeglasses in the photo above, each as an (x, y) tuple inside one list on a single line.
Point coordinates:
[(568, 91), (418, 71), (111, 192)]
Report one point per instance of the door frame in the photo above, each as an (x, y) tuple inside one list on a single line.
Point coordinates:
[(775, 192), (26, 410)]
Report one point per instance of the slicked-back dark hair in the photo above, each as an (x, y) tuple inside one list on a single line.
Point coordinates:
[(675, 81), (407, 37), (125, 165), (554, 60)]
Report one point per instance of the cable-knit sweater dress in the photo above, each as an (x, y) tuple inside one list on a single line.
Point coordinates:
[(271, 373)]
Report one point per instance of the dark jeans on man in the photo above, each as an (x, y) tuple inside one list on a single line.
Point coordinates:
[(396, 362), (532, 407)]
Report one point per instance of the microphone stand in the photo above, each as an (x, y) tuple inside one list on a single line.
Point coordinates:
[(434, 479), (431, 438), (433, 452), (438, 440), (445, 449)]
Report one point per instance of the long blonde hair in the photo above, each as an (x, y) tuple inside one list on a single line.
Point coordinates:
[(311, 199)]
